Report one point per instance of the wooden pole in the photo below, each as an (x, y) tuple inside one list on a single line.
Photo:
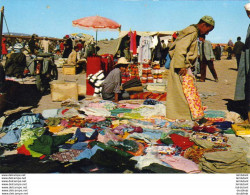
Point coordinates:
[(1, 29), (96, 41)]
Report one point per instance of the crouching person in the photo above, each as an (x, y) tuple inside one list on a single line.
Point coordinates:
[(111, 86)]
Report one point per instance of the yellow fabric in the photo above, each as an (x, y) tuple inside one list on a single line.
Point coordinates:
[(55, 129)]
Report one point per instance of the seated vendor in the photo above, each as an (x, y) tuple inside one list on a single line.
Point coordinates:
[(112, 84), (72, 59)]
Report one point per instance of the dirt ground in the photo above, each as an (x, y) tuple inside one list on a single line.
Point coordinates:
[(214, 95)]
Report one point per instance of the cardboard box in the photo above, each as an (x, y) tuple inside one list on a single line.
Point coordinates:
[(61, 90), (81, 90), (69, 70)]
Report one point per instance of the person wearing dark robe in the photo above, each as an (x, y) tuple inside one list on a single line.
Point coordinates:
[(238, 47), (242, 90), (217, 52), (68, 45), (32, 44)]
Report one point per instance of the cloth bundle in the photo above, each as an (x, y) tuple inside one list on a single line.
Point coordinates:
[(131, 83), (224, 162), (192, 97), (147, 95), (96, 80)]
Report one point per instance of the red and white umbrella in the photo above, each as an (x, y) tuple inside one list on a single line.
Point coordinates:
[(96, 23)]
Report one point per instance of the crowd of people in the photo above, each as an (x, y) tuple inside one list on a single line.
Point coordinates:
[(60, 47), (188, 49)]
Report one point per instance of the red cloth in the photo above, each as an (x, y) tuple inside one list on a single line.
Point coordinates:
[(80, 46), (4, 48), (182, 142), (107, 63), (23, 150), (133, 46), (93, 66), (61, 46)]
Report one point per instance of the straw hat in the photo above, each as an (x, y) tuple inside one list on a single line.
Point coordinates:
[(122, 60)]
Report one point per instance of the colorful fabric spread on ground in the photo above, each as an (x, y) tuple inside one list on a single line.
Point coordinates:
[(128, 136)]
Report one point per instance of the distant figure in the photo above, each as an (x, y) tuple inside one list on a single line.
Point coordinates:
[(242, 90), (72, 59), (61, 45), (230, 49), (32, 44), (206, 58), (79, 44), (68, 45), (217, 52), (238, 48), (126, 49), (164, 52), (45, 45), (4, 47), (58, 54)]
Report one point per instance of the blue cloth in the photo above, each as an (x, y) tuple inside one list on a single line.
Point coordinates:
[(76, 146), (81, 136), (11, 137), (223, 125), (151, 102), (168, 60), (27, 121), (153, 134), (88, 153)]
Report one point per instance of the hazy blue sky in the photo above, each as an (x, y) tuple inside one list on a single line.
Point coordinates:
[(54, 17)]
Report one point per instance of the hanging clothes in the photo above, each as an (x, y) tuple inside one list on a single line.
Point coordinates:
[(144, 51), (157, 50), (133, 46)]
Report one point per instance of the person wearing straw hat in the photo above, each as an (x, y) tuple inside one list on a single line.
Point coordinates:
[(183, 53), (242, 90), (112, 83)]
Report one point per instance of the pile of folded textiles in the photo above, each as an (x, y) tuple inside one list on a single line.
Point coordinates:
[(103, 136)]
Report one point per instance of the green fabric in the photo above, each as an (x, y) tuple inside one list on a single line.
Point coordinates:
[(53, 121), (126, 145), (120, 110), (229, 131), (47, 144), (133, 116), (106, 147), (27, 134), (29, 142), (167, 141)]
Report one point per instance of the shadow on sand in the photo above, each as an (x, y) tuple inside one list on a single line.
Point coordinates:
[(238, 107), (20, 95)]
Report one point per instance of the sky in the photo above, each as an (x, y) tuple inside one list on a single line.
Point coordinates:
[(54, 18)]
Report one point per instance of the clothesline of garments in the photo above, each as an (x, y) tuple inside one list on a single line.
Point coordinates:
[(149, 48)]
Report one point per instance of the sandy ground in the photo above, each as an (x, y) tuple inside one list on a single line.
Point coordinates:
[(214, 95), (223, 91)]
